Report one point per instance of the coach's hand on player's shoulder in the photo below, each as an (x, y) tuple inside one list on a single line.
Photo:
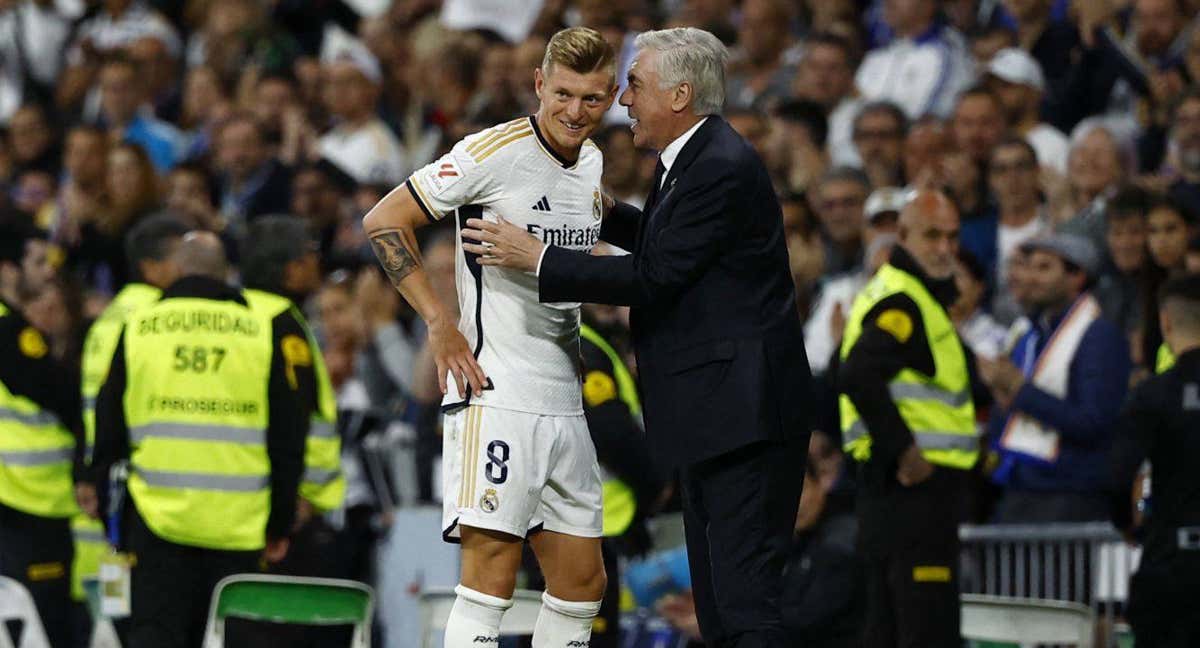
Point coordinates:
[(502, 244), (453, 355)]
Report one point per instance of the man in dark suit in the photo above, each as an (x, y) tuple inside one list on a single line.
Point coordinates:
[(718, 341)]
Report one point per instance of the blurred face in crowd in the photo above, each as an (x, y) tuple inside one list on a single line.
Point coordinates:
[(986, 45), (929, 231), (1158, 23), (29, 133), (47, 311), (85, 156), (127, 182), (924, 147), (908, 17), (1191, 57), (1019, 101), (1027, 10), (154, 63), (120, 92), (1013, 177), (1050, 284), (33, 189), (348, 94), (1016, 276), (493, 72), (339, 317), (752, 126), (879, 138), (188, 193), (202, 95), (313, 196), (272, 98), (764, 30), (1166, 237), (1094, 164), (620, 160), (978, 125), (970, 292), (1187, 134), (527, 57), (240, 150), (37, 270), (824, 75), (840, 208), (1126, 240), (572, 104)]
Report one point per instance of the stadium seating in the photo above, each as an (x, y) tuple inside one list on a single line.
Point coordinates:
[(293, 600), (17, 605), (1026, 621)]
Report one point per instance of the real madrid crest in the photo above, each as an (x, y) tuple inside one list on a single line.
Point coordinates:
[(490, 501), (597, 205)]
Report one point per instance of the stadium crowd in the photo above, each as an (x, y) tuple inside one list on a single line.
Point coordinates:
[(1035, 116)]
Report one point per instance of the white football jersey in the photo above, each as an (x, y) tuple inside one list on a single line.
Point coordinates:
[(529, 350)]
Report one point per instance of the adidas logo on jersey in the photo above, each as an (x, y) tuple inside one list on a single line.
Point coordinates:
[(541, 205)]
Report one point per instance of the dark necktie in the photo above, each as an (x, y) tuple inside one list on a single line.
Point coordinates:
[(659, 170)]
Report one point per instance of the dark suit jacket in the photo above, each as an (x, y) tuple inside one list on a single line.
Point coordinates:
[(718, 341)]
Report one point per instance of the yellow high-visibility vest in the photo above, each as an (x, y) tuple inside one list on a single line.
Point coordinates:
[(90, 547), (1164, 360), (36, 455), (620, 502), (323, 484), (196, 406), (937, 409), (98, 350)]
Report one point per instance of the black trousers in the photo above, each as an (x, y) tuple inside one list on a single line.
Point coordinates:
[(38, 551), (1162, 602), (739, 511), (172, 585), (911, 569)]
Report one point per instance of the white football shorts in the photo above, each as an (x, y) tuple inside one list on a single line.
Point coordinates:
[(517, 472)]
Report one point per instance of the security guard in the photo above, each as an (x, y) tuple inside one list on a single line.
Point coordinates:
[(907, 415), (1161, 422), (40, 428), (198, 398), (631, 484), (148, 247)]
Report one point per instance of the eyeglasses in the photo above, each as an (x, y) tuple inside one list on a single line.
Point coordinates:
[(1012, 168)]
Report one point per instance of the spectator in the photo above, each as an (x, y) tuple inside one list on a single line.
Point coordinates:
[(878, 133), (160, 73), (1119, 288), (190, 195), (1017, 81), (825, 76), (1100, 157), (360, 143), (1054, 44), (978, 124), (32, 139), (798, 132), (318, 194), (621, 178), (987, 42), (824, 327), (924, 152), (32, 37), (766, 59), (806, 253), (979, 331), (205, 103), (1020, 212), (1058, 397), (122, 99), (1185, 142), (275, 103), (252, 183), (1168, 231), (923, 69), (839, 198), (83, 192), (131, 188), (32, 190)]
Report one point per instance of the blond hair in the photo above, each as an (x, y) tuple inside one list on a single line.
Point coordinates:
[(580, 49)]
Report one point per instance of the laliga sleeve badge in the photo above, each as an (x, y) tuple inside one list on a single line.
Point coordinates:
[(490, 501)]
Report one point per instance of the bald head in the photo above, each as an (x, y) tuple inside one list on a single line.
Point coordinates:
[(201, 253), (929, 232)]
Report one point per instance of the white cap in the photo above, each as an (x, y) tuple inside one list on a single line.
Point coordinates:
[(1017, 66), (340, 47), (883, 200)]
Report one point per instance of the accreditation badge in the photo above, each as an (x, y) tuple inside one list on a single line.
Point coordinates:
[(115, 570)]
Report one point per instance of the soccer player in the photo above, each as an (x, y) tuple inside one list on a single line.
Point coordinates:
[(518, 460)]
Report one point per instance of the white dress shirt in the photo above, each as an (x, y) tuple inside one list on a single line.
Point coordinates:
[(667, 156)]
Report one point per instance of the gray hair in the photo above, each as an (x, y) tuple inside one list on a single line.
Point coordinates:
[(690, 55), (1118, 133)]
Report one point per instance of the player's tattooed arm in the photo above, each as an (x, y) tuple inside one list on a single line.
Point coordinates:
[(397, 253)]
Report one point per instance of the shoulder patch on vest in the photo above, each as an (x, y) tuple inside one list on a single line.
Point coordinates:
[(31, 343), (896, 322), (598, 388), (296, 351)]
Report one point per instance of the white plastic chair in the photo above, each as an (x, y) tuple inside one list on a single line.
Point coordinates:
[(17, 604), (518, 620), (1026, 621)]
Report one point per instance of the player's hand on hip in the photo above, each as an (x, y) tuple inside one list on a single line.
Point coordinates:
[(454, 356), (502, 244)]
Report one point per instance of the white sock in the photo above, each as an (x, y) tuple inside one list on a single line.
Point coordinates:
[(475, 619), (564, 624)]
